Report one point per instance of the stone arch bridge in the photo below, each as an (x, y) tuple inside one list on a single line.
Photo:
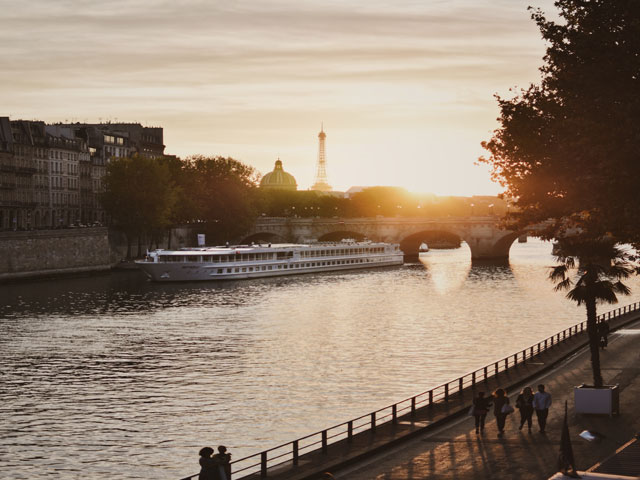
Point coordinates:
[(483, 235)]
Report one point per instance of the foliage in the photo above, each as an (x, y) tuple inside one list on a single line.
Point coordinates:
[(221, 192), (600, 268), (568, 148), (139, 196)]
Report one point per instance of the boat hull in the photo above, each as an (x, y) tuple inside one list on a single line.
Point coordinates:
[(161, 272)]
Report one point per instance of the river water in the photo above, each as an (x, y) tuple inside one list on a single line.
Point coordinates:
[(113, 377)]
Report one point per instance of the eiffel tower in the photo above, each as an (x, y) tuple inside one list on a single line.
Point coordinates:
[(321, 183)]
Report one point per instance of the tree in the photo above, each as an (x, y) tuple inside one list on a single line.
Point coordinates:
[(601, 266), (568, 148), (139, 197), (222, 193)]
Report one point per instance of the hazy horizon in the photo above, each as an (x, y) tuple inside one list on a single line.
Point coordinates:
[(405, 91)]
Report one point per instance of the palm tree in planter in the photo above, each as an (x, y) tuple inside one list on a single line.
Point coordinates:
[(601, 266)]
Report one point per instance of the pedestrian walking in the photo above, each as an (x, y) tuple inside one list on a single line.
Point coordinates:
[(481, 406), (524, 403), (541, 403), (500, 409)]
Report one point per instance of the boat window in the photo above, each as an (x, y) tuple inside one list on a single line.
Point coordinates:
[(229, 270), (220, 270), (207, 258), (237, 270), (251, 269), (193, 258)]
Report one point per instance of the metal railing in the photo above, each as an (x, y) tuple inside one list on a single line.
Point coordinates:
[(291, 451)]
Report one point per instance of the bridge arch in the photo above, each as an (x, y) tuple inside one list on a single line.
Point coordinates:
[(433, 238)]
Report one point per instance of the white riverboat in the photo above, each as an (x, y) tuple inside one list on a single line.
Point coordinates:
[(265, 260)]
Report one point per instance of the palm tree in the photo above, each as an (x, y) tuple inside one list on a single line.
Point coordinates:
[(600, 265)]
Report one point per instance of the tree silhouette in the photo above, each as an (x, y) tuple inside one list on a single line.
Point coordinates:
[(600, 266)]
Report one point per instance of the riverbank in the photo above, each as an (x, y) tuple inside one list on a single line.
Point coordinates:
[(440, 441), (51, 253)]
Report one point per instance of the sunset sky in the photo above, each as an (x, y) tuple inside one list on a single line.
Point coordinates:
[(404, 88)]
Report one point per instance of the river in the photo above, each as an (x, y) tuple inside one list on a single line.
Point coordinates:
[(113, 377)]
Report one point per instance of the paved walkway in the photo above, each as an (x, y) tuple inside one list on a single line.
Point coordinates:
[(455, 451)]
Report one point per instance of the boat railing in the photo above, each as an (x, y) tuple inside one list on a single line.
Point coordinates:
[(290, 452)]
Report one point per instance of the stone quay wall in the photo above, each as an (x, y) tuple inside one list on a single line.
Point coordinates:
[(53, 252)]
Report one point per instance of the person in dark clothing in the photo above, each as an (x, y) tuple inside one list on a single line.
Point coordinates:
[(224, 460), (603, 332), (500, 399), (209, 467), (480, 409), (524, 403)]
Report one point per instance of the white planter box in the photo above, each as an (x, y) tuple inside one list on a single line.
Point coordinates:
[(604, 401)]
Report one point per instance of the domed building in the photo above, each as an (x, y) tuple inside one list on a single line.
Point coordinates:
[(278, 178)]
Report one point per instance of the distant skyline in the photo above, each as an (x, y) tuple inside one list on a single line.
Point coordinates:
[(405, 88)]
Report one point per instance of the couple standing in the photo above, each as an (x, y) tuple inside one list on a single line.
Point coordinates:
[(215, 467), (526, 403)]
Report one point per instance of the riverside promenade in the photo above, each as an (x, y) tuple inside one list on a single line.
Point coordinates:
[(439, 441)]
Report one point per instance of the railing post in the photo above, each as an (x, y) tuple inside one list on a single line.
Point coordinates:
[(506, 363), (413, 404), (538, 348), (324, 441), (350, 431), (545, 343), (460, 382), (295, 452), (431, 398), (373, 422), (486, 371), (515, 359), (496, 368), (263, 464), (394, 413), (473, 379), (446, 392)]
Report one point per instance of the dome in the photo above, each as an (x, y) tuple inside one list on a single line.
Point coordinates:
[(278, 178)]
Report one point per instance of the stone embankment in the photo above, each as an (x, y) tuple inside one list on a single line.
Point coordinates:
[(53, 252)]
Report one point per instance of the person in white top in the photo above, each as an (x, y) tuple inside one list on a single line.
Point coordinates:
[(541, 403)]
